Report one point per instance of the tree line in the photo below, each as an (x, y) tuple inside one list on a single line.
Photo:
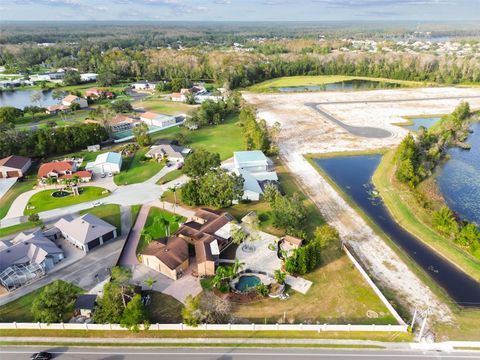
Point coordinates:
[(416, 160)]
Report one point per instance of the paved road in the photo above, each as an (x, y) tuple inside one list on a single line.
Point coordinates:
[(363, 131), (10, 353)]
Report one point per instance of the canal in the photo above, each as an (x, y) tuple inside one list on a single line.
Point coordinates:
[(353, 174)]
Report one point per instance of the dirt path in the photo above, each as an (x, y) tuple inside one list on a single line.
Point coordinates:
[(304, 130)]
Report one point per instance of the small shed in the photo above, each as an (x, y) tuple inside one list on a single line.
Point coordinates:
[(291, 242), (85, 305)]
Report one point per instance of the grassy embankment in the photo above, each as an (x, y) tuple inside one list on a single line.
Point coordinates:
[(406, 210), (376, 336), (273, 84), (465, 322), (43, 200)]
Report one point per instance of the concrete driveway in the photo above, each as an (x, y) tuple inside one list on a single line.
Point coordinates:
[(5, 185)]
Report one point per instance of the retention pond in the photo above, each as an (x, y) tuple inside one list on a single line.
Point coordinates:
[(353, 175)]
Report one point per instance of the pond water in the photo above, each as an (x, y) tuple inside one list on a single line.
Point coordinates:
[(353, 174), (22, 98), (60, 194), (459, 179), (426, 122), (342, 85), (246, 282)]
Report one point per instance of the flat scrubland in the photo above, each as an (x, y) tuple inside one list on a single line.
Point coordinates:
[(305, 131)]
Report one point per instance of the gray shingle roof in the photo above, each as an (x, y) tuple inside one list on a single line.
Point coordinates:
[(85, 228)]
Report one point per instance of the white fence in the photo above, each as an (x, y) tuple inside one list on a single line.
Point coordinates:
[(374, 287), (223, 327)]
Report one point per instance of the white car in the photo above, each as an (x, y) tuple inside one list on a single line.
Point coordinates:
[(96, 203)]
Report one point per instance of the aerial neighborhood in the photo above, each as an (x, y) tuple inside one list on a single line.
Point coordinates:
[(164, 185)]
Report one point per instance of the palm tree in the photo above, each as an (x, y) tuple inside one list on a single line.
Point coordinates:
[(237, 266), (174, 190), (166, 224), (150, 282)]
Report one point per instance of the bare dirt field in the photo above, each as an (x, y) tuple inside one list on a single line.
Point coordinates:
[(305, 130)]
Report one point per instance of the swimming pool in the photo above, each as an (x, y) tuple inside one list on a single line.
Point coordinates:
[(246, 282)]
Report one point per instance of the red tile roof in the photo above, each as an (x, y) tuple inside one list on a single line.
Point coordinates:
[(80, 174), (56, 166)]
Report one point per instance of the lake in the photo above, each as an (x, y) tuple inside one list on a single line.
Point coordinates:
[(22, 98), (342, 85), (353, 174), (426, 122), (459, 179)]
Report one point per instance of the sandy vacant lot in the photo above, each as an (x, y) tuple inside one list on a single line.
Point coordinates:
[(304, 130)]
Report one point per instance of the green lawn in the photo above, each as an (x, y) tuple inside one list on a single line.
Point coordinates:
[(19, 188), (164, 309), (135, 210), (172, 175), (155, 228), (44, 200), (137, 169), (17, 228), (272, 85), (406, 210), (167, 107), (223, 139), (19, 310), (109, 212), (41, 120), (338, 295)]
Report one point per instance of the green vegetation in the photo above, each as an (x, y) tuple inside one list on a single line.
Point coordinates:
[(274, 84), (170, 176), (182, 334), (16, 190), (224, 138), (5, 231), (135, 210), (109, 213), (43, 200), (213, 113), (137, 168), (165, 107), (164, 309), (20, 310), (255, 133), (338, 294), (159, 223), (55, 302)]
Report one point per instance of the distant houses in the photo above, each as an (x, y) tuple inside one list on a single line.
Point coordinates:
[(208, 232), (14, 166), (109, 162), (95, 93), (73, 99), (144, 85), (160, 120)]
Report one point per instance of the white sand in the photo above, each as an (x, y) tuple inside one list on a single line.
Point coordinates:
[(303, 131)]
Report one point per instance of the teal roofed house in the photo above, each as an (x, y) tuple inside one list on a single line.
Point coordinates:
[(256, 170), (106, 163)]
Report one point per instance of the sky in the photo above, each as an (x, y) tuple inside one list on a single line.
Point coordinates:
[(242, 10)]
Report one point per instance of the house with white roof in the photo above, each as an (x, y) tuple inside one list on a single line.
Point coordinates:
[(144, 85), (27, 257), (106, 163), (87, 231), (256, 170), (160, 120)]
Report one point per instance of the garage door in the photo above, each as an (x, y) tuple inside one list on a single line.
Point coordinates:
[(13, 174), (108, 237), (93, 244)]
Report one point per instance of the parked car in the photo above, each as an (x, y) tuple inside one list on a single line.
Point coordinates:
[(96, 203), (41, 356)]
